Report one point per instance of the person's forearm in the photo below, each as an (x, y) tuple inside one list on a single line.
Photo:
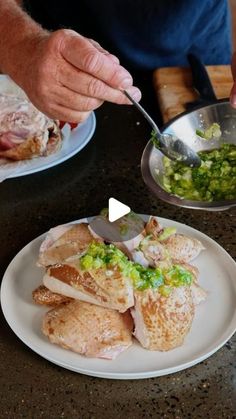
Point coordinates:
[(17, 34)]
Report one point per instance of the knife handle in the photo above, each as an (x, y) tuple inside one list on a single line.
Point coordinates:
[(201, 80)]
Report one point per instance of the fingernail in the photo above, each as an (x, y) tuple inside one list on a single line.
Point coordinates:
[(135, 93), (114, 58), (126, 83)]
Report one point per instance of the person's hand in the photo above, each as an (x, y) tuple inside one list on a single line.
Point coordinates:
[(233, 91), (66, 76)]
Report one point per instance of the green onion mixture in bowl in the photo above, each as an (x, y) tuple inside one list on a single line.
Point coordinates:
[(214, 180)]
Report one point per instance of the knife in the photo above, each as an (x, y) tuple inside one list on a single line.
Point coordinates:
[(201, 83)]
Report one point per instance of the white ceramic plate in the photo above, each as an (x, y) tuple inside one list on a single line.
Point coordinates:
[(73, 141), (213, 325)]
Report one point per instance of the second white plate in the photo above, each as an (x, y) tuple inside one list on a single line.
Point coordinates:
[(73, 142)]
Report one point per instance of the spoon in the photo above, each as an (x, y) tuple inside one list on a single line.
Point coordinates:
[(168, 144)]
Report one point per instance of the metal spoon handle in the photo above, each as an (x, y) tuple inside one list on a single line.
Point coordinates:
[(145, 114), (168, 144)]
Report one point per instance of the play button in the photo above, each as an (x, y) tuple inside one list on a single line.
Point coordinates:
[(117, 223), (116, 210)]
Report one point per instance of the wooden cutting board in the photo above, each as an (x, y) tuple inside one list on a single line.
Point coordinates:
[(173, 86)]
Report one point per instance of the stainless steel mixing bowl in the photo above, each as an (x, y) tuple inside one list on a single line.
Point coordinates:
[(184, 127)]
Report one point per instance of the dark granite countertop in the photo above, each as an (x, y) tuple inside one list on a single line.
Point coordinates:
[(109, 166)]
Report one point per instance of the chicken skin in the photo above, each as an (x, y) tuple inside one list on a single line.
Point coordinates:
[(163, 243), (25, 132), (106, 287), (182, 248), (45, 297), (198, 293), (88, 329), (161, 323), (153, 227), (63, 242)]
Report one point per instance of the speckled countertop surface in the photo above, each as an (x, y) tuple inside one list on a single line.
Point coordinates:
[(30, 386)]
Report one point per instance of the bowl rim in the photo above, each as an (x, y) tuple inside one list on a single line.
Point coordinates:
[(195, 108), (159, 192)]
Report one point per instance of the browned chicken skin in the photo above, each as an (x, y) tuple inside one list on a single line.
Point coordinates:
[(182, 248), (153, 227), (44, 296), (109, 288), (198, 293), (88, 329), (156, 250), (161, 323), (25, 132), (63, 242)]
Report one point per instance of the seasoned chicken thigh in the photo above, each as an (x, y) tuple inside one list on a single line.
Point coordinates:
[(63, 242), (25, 132), (88, 329), (109, 288), (161, 323), (182, 248), (177, 246), (99, 276)]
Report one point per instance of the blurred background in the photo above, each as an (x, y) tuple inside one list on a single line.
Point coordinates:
[(233, 7)]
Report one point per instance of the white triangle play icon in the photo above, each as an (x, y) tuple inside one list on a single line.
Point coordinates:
[(116, 209)]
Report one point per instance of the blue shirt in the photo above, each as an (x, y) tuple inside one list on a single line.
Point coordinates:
[(145, 34)]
